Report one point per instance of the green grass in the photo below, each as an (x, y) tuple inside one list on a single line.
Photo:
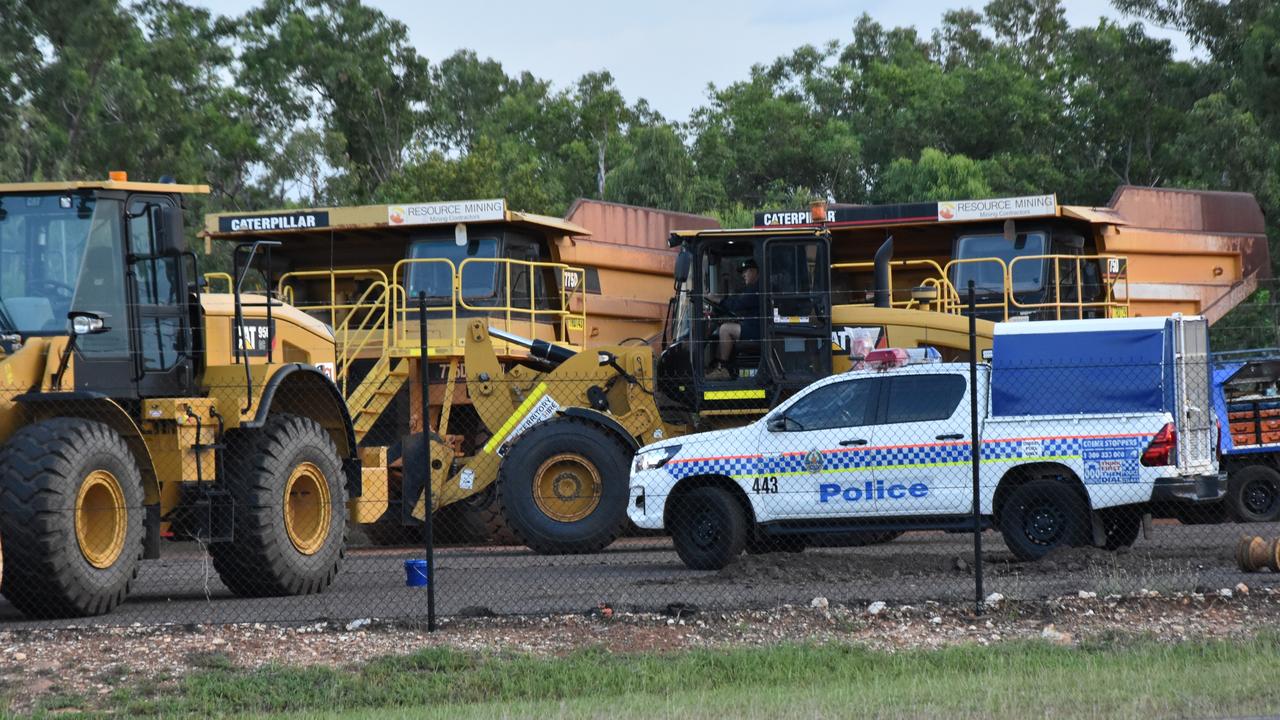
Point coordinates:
[(1140, 679)]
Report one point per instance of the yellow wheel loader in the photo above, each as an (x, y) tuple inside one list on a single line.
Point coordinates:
[(134, 407)]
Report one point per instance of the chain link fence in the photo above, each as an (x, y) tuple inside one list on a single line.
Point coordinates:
[(859, 489)]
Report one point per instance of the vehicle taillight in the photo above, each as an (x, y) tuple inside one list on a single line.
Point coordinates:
[(1162, 447)]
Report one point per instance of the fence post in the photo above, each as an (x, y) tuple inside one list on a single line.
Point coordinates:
[(424, 378), (975, 449)]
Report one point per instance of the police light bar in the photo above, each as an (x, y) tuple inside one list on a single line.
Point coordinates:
[(887, 358)]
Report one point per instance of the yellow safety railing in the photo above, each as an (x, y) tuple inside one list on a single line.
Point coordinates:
[(523, 319), (960, 294), (360, 324), (219, 276), (949, 298), (1113, 272), (401, 304)]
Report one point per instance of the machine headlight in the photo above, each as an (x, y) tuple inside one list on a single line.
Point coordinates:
[(654, 457)]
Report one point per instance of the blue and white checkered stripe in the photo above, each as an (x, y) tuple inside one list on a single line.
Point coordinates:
[(879, 457)]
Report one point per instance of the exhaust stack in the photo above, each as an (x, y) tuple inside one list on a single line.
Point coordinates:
[(884, 288)]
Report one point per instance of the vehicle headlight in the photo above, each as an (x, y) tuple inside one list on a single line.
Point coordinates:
[(654, 457)]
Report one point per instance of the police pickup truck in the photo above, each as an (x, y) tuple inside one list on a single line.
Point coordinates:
[(1083, 427)]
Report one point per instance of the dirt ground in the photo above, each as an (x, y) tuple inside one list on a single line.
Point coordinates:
[(91, 662)]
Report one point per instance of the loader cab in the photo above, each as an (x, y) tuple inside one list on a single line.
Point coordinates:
[(1043, 263), (112, 253), (750, 323)]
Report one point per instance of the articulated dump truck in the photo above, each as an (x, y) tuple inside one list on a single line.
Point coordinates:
[(133, 409), (536, 420)]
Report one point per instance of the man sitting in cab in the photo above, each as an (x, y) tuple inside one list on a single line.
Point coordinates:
[(743, 323)]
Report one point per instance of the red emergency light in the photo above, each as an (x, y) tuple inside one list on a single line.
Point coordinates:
[(887, 358)]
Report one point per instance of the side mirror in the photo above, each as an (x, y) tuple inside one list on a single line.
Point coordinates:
[(684, 260), (605, 358), (776, 424), (85, 322), (169, 231)]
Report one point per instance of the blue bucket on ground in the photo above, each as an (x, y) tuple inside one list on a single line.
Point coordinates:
[(415, 573)]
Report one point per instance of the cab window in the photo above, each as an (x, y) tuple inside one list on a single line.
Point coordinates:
[(920, 398), (436, 278), (845, 404)]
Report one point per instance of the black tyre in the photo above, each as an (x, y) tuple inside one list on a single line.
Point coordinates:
[(1253, 494), (71, 514), (290, 509), (763, 544), (1041, 515), (1121, 526), (478, 520), (709, 528), (563, 487)]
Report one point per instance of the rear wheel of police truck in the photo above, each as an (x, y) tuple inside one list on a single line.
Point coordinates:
[(563, 486), (1041, 515), (71, 514)]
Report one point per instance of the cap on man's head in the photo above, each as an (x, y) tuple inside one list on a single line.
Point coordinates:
[(748, 263)]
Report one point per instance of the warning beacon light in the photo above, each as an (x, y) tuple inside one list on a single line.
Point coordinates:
[(887, 358)]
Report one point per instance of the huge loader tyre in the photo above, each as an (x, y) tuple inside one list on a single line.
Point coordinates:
[(475, 520), (71, 514), (563, 487), (290, 497)]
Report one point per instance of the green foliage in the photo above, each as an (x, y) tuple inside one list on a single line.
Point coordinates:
[(302, 102), (1179, 679), (935, 176)]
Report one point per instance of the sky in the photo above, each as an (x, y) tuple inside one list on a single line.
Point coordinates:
[(666, 51)]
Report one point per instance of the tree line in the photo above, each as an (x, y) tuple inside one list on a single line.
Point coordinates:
[(304, 102)]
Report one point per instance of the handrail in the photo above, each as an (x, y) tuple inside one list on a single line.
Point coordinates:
[(399, 300), (532, 311), (915, 263), (224, 277), (1107, 279), (370, 311), (287, 292), (379, 316), (949, 296), (1006, 288)]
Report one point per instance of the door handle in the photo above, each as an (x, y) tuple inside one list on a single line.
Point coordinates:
[(953, 436), (859, 441)]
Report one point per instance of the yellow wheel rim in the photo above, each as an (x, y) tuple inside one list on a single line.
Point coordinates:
[(567, 488), (306, 508), (102, 519)]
